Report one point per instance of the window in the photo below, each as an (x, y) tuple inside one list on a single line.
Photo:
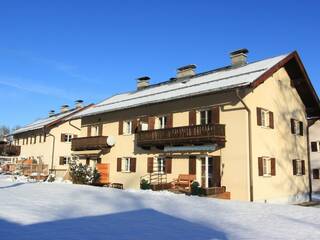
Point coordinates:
[(143, 126), (296, 127), (127, 127), (95, 130), (125, 165), (266, 166), (298, 167), (162, 122), (315, 146), (161, 165), (65, 160), (67, 137), (316, 173), (205, 117), (265, 118)]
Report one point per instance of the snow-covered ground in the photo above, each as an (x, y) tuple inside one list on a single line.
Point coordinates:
[(54, 211)]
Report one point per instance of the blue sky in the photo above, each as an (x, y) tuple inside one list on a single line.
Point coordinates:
[(54, 52)]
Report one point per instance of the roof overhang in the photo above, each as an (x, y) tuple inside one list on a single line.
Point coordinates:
[(298, 74)]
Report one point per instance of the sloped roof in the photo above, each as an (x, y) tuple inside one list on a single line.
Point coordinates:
[(212, 81), (48, 121)]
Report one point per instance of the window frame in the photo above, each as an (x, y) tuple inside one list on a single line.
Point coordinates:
[(68, 137), (162, 122), (125, 164), (266, 166), (299, 167), (161, 168), (207, 116), (67, 160), (317, 144), (127, 127)]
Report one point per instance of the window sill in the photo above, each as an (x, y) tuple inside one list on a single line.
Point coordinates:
[(267, 175), (125, 171), (265, 127), (127, 134)]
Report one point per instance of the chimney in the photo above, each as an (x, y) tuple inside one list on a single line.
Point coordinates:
[(186, 71), (239, 57), (78, 103), (143, 82), (64, 108), (51, 113)]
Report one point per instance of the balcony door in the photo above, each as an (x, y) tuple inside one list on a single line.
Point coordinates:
[(210, 171)]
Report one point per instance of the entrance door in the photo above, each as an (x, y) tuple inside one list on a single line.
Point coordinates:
[(210, 171)]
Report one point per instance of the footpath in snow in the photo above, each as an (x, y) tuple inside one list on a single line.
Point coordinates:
[(53, 211)]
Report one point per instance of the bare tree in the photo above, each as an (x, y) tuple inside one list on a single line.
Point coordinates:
[(4, 130)]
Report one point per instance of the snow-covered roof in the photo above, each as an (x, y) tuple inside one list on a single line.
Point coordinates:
[(212, 81), (38, 124)]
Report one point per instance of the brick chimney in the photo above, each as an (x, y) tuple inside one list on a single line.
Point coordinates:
[(143, 82), (239, 57), (186, 71)]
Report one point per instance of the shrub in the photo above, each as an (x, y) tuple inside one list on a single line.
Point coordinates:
[(144, 184), (83, 174), (196, 189)]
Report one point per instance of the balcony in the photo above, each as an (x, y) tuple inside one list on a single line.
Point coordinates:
[(198, 134), (89, 143), (9, 150)]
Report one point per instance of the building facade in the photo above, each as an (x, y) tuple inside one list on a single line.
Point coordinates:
[(314, 136), (241, 128), (48, 140)]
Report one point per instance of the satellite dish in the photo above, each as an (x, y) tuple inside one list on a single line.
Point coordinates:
[(111, 141)]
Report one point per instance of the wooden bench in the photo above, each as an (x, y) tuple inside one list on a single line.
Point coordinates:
[(184, 181)]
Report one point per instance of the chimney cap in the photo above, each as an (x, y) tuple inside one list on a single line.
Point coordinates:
[(79, 101), (239, 51), (65, 106), (190, 66), (144, 78)]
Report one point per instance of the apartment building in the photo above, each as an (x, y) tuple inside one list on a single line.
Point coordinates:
[(241, 128), (314, 138), (48, 140)]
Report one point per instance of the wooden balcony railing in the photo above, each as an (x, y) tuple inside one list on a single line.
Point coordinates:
[(210, 133), (89, 143), (9, 150)]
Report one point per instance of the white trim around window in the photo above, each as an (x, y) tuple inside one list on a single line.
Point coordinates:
[(125, 164)]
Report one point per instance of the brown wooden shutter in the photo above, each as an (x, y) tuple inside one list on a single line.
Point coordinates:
[(119, 161), (192, 118), (294, 167), (301, 128), (192, 165), (260, 166), (120, 130), (316, 174), (273, 166), (62, 137), (215, 115), (168, 163), (61, 161), (271, 120), (303, 166), (169, 121), (134, 128), (100, 129), (133, 162), (292, 126), (216, 171), (151, 121), (259, 122), (150, 165), (75, 136), (314, 146), (89, 131)]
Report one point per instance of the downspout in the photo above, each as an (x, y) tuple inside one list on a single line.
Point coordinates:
[(52, 154), (250, 143), (309, 164), (73, 125)]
